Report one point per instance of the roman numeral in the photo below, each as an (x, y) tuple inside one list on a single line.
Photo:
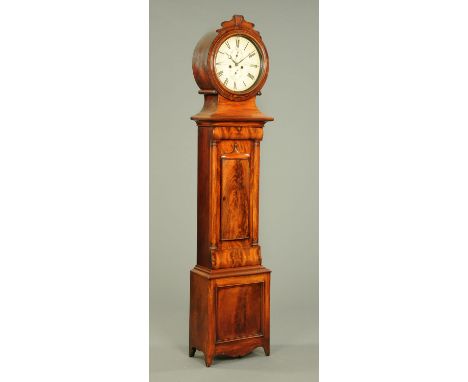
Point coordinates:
[(235, 87), (220, 73), (225, 82), (237, 42), (227, 44), (218, 63), (244, 83), (246, 45), (251, 54), (254, 66), (250, 76)]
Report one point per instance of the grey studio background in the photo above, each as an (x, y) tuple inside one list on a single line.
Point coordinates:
[(288, 187)]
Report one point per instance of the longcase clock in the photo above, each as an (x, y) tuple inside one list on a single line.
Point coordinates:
[(229, 287)]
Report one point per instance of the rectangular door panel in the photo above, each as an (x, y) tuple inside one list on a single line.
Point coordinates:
[(235, 202)]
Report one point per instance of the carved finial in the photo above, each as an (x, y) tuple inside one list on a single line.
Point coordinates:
[(236, 22)]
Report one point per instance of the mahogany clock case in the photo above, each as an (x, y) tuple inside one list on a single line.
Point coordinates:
[(288, 188), (229, 286)]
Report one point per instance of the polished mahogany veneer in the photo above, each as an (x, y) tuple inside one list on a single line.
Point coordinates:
[(229, 287)]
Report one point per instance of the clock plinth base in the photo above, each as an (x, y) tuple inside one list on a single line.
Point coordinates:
[(229, 311)]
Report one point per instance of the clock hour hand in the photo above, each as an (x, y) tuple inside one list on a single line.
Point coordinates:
[(230, 57)]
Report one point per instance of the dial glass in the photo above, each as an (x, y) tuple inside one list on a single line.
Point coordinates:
[(238, 63)]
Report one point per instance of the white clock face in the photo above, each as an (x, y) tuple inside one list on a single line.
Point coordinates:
[(237, 63)]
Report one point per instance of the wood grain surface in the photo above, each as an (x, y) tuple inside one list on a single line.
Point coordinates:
[(235, 205)]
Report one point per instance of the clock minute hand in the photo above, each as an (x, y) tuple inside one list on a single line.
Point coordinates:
[(242, 59)]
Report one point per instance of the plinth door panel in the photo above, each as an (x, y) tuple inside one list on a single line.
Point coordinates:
[(229, 286), (239, 312)]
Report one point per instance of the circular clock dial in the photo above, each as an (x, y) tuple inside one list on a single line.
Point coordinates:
[(238, 63)]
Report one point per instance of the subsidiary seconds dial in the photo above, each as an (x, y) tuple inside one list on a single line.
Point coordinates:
[(238, 63)]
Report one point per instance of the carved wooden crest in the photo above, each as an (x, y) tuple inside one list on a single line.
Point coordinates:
[(237, 22)]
